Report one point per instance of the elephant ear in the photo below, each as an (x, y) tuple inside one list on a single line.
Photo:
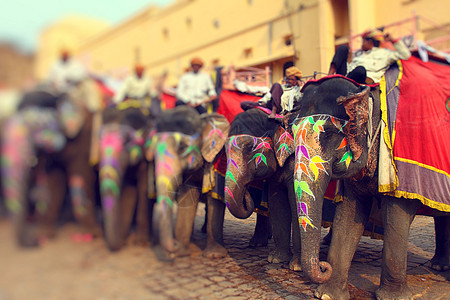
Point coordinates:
[(357, 108), (283, 145), (214, 134), (150, 145), (71, 116)]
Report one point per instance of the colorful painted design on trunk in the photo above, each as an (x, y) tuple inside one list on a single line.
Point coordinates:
[(309, 162), (260, 146), (17, 153), (111, 146)]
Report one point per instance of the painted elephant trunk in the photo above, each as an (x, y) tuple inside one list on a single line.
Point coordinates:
[(17, 153), (317, 271), (110, 177), (167, 179), (237, 198)]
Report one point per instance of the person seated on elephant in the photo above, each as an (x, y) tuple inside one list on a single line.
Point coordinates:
[(370, 66), (281, 98), (196, 89), (137, 86), (66, 72)]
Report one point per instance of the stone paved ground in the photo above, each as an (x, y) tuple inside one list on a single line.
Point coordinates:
[(64, 269)]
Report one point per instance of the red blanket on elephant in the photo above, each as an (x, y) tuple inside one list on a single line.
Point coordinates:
[(418, 122)]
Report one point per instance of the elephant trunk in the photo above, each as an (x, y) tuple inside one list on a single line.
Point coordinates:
[(309, 194), (110, 178), (17, 155), (317, 271), (237, 197), (168, 176)]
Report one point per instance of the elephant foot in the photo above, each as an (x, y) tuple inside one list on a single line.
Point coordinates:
[(328, 291), (215, 250), (277, 257), (440, 263), (259, 241), (295, 264), (182, 251), (385, 293), (29, 239)]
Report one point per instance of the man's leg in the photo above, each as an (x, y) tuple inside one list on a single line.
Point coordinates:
[(358, 74), (275, 104), (339, 63)]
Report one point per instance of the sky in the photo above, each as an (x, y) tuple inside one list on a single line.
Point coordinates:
[(21, 21)]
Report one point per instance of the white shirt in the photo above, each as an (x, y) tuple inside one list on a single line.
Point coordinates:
[(64, 74), (135, 88), (377, 60), (195, 87), (291, 95)]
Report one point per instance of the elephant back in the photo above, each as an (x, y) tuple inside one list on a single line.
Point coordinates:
[(253, 122), (183, 119), (320, 96), (133, 117), (38, 98)]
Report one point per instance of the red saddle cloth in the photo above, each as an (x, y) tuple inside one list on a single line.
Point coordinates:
[(419, 125)]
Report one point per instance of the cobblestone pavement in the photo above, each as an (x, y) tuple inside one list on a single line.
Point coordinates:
[(65, 269)]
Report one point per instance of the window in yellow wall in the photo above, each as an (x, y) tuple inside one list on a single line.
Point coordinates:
[(188, 22), (248, 52), (165, 33)]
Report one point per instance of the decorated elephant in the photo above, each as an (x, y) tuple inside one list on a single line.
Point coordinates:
[(183, 148), (259, 148), (123, 172), (46, 147), (337, 138)]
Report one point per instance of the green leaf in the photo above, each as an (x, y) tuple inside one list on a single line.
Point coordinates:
[(304, 186)]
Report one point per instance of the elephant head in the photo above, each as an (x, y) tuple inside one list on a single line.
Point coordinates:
[(252, 156), (183, 143), (327, 147), (121, 147), (42, 125)]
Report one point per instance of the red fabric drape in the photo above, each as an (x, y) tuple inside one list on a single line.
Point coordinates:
[(423, 122), (230, 103), (168, 100)]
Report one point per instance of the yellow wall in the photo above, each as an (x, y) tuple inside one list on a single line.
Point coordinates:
[(165, 39)]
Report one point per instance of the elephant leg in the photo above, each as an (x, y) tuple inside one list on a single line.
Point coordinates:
[(144, 208), (187, 199), (214, 242), (46, 218), (280, 218), (263, 231), (348, 226), (441, 259), (398, 215), (128, 206), (205, 222), (82, 191)]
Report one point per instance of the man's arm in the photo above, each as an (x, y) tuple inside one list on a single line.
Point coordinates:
[(401, 51)]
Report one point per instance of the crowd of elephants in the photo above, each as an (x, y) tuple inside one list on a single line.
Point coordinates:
[(140, 165)]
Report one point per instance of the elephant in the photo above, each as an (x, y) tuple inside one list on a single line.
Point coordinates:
[(259, 148), (46, 146), (333, 141), (123, 173), (183, 147)]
